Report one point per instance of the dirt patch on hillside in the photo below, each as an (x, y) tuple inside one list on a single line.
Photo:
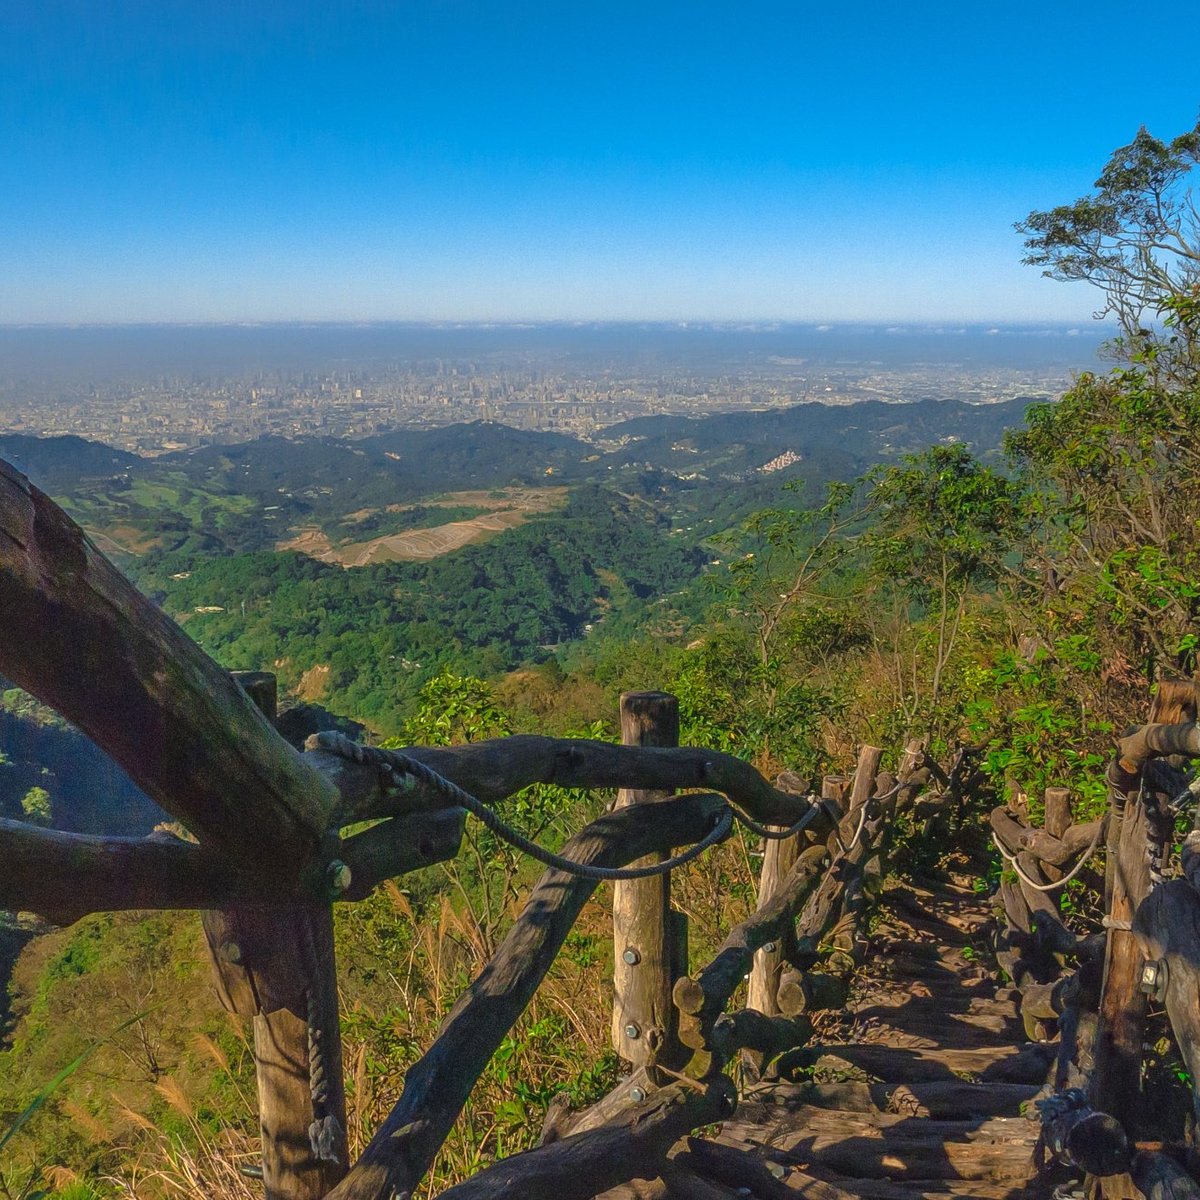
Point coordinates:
[(526, 499), (415, 545), (314, 682), (123, 539), (311, 541), (509, 508)]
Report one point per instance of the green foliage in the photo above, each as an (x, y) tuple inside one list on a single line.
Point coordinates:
[(730, 700), (1136, 238), (452, 709), (1112, 468), (940, 521), (35, 804), (1028, 716)]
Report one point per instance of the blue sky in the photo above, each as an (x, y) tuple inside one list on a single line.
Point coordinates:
[(220, 161)]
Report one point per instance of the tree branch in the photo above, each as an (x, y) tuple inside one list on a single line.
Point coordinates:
[(582, 1165)]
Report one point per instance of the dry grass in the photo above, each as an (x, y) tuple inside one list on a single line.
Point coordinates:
[(164, 1168)]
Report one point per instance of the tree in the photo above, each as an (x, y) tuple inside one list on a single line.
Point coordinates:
[(940, 523), (35, 804), (752, 679), (1137, 238), (1114, 464)]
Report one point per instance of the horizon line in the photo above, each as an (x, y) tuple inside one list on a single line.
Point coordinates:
[(766, 323)]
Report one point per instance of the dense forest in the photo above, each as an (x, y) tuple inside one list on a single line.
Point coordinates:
[(1018, 592)]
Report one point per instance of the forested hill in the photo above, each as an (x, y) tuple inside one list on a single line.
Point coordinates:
[(572, 540), (56, 463), (408, 463), (868, 431)]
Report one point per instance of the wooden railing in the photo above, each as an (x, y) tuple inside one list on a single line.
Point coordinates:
[(270, 857), (1096, 989)]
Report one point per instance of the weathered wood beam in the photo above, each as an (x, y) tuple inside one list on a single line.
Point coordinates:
[(580, 1166), (397, 846), (1091, 1140), (779, 856), (824, 907), (1016, 837), (82, 639), (437, 1086), (767, 1037), (1057, 819), (1116, 1083), (811, 991), (609, 1107), (298, 1067), (1166, 928), (1159, 1177), (65, 876), (495, 769), (749, 1173), (1049, 928), (279, 965), (863, 786), (914, 774), (1153, 741)]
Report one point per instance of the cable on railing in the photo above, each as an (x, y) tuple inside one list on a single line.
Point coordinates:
[(406, 772), (1011, 859)]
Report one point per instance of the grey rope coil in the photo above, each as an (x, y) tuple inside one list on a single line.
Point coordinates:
[(397, 766), (1052, 1107), (324, 1132)]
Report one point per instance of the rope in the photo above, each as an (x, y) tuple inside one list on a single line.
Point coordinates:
[(324, 1132), (773, 833), (862, 820), (397, 765), (1058, 1105), (1011, 859)]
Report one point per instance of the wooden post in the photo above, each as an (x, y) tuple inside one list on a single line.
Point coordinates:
[(1167, 928), (778, 859), (1057, 821), (1118, 1051), (835, 788), (861, 790), (644, 1019), (277, 964)]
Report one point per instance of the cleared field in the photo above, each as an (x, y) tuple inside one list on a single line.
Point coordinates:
[(510, 508), (529, 500)]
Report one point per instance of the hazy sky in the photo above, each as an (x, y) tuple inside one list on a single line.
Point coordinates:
[(221, 160)]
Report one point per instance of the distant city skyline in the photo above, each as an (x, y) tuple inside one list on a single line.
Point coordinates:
[(446, 160)]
